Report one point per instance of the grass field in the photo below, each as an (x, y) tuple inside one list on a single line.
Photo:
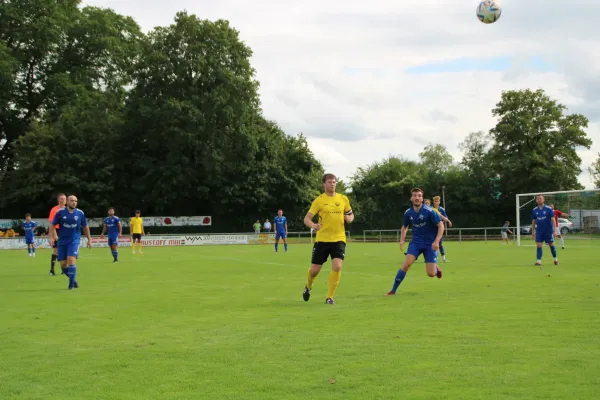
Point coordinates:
[(229, 322)]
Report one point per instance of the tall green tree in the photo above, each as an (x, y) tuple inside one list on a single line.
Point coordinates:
[(74, 154), (594, 171), (382, 192), (50, 50), (436, 158), (535, 142)]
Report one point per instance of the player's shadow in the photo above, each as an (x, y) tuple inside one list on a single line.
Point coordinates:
[(34, 290)]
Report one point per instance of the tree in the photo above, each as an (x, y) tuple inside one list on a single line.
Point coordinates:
[(382, 192), (534, 143), (436, 158), (74, 154), (52, 50), (594, 171)]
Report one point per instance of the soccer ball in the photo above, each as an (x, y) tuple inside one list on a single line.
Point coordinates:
[(488, 11)]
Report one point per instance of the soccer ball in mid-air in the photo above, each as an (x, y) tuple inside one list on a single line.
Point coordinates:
[(488, 11)]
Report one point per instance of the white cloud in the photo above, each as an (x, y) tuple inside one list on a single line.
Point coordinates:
[(336, 70)]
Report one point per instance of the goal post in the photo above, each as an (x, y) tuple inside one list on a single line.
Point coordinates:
[(581, 206)]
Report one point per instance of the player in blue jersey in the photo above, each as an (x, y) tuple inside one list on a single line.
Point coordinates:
[(542, 228), (112, 225), (444, 216), (281, 230), (427, 231), (70, 221), (29, 227)]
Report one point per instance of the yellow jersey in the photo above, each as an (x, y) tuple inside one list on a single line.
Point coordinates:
[(136, 224), (331, 210)]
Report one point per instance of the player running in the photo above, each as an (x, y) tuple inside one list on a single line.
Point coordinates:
[(542, 228), (62, 201), (281, 230), (444, 217), (333, 210), (70, 221), (505, 231), (136, 226), (427, 231), (30, 227), (112, 224), (559, 214)]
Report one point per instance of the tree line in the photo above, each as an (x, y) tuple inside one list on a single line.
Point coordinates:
[(170, 122)]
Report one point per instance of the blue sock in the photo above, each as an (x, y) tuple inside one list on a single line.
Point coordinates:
[(33, 250), (539, 253), (553, 250), (276, 246), (399, 278), (29, 250), (285, 246), (71, 271), (442, 250)]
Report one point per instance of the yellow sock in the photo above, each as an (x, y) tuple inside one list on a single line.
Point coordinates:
[(333, 282), (140, 245), (310, 280)]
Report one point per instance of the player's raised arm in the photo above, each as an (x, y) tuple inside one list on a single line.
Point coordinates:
[(308, 218), (308, 221), (348, 214)]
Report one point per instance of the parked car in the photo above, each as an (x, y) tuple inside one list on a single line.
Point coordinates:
[(564, 225)]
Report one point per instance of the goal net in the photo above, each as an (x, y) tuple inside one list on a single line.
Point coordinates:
[(582, 209)]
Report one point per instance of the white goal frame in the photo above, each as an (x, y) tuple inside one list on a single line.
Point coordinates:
[(518, 206)]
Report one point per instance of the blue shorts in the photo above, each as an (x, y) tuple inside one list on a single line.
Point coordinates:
[(113, 240), (281, 235), (541, 237), (67, 250), (29, 240), (416, 249)]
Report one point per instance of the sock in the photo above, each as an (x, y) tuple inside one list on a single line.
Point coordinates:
[(276, 246), (442, 250), (71, 271), (33, 250), (115, 254), (310, 280), (399, 278), (65, 270), (140, 246), (562, 242), (285, 246), (553, 250), (333, 282), (539, 253), (29, 250), (53, 262)]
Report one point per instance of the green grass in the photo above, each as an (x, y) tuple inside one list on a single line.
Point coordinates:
[(229, 323)]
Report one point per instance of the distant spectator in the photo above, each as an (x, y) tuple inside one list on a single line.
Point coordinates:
[(267, 226), (256, 226)]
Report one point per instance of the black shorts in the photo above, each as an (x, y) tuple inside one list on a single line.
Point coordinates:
[(137, 236), (323, 250)]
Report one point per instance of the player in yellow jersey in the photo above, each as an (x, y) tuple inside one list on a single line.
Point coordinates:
[(333, 210), (136, 226)]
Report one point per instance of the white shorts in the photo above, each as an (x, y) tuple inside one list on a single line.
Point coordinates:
[(504, 235)]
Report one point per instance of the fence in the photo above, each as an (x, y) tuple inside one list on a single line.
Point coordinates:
[(18, 243), (451, 234)]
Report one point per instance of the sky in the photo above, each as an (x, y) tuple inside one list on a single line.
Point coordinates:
[(366, 80)]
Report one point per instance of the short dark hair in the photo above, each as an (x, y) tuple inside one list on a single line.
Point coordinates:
[(329, 176), (414, 190), (60, 194), (137, 212), (110, 208), (27, 215)]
